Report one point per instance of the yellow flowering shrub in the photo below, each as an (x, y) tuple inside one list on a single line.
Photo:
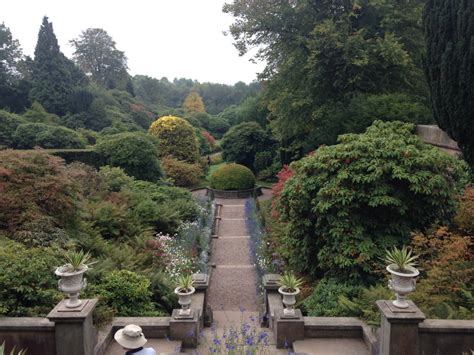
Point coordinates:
[(177, 138)]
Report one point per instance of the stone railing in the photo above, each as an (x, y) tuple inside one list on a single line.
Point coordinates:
[(253, 192), (71, 332), (402, 332)]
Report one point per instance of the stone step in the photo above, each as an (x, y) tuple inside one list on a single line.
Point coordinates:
[(232, 227), (232, 288), (231, 251), (161, 346), (233, 212), (331, 346)]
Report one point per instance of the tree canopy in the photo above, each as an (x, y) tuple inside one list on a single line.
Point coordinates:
[(95, 53), (320, 54)]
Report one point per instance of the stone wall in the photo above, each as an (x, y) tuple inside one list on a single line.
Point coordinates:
[(439, 336), (432, 134), (36, 335)]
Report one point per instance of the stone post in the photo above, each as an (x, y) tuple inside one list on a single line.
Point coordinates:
[(201, 284), (399, 328), (74, 331), (288, 329), (270, 295), (185, 328)]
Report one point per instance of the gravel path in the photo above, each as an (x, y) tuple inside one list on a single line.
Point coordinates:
[(234, 280)]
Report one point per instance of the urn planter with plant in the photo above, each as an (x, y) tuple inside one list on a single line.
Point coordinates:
[(184, 291), (289, 288), (72, 276), (401, 265)]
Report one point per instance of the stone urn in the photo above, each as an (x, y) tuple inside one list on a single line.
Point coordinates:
[(402, 283), (184, 300), (289, 300), (71, 283)]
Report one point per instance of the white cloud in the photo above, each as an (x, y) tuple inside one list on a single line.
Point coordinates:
[(172, 38)]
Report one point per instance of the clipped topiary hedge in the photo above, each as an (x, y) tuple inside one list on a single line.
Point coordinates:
[(232, 177)]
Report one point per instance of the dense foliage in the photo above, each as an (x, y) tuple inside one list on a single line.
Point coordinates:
[(28, 286), (347, 203), (242, 143), (177, 138), (232, 177), (48, 207), (181, 173), (449, 67), (135, 153)]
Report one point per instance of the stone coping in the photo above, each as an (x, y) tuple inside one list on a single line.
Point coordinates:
[(26, 324), (447, 326)]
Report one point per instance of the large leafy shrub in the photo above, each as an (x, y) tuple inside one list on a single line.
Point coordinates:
[(29, 135), (242, 143), (232, 177), (128, 293), (176, 138), (347, 203), (28, 286), (183, 173), (135, 153)]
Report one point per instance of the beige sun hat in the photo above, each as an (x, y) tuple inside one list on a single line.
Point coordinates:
[(130, 337)]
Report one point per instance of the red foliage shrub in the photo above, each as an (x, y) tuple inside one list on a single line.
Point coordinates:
[(283, 175), (209, 138), (34, 185), (465, 217)]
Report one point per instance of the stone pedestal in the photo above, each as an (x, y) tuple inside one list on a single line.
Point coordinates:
[(399, 329), (288, 329), (74, 331), (185, 329)]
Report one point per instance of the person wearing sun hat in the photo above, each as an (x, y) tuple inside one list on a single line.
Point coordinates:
[(131, 338)]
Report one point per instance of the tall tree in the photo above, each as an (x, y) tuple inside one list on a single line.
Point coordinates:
[(321, 53), (449, 68), (13, 89), (54, 77), (95, 53), (193, 103)]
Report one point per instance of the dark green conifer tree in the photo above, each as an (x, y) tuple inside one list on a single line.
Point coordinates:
[(449, 68), (54, 76)]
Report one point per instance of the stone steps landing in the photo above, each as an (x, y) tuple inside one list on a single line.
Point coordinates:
[(330, 346)]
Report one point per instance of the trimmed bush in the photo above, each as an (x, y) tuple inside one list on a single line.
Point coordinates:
[(86, 156), (176, 138), (134, 152), (232, 177), (182, 173), (29, 135)]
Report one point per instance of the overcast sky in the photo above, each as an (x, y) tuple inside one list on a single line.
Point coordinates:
[(172, 38)]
